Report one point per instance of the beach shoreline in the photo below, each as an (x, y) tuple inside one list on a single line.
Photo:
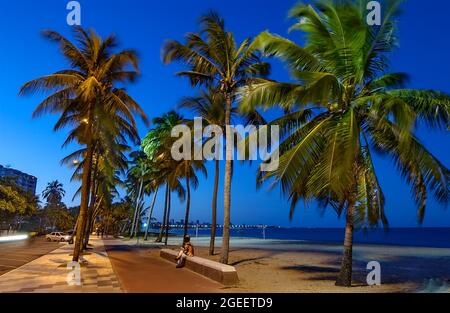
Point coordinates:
[(298, 266)]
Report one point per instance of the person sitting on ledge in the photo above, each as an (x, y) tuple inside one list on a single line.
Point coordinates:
[(187, 250)]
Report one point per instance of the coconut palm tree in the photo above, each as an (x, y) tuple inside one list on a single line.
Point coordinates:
[(173, 184), (154, 189), (343, 107), (188, 169), (213, 58), (209, 105), (54, 192), (136, 174), (157, 145), (85, 93), (109, 160)]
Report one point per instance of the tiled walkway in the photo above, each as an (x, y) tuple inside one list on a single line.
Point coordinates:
[(49, 273)]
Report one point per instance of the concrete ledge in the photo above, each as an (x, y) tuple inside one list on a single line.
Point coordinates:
[(222, 273)]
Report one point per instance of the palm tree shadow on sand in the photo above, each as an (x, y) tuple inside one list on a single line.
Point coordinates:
[(427, 274)]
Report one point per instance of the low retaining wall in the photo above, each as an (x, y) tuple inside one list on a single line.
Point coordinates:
[(222, 273)]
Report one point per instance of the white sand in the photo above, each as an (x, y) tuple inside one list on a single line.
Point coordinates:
[(298, 266)]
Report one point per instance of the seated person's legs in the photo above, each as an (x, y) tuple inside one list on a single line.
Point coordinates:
[(181, 259), (180, 254)]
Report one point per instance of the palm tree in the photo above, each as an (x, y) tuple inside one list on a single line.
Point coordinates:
[(137, 174), (108, 161), (173, 184), (156, 145), (150, 214), (188, 169), (85, 94), (54, 192), (214, 59), (343, 107), (209, 105)]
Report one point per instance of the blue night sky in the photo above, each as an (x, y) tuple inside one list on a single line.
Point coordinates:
[(32, 146)]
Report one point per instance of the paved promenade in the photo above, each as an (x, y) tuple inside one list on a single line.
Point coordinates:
[(121, 266), (49, 273), (140, 269)]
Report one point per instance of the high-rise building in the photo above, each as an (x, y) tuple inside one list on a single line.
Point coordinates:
[(24, 181)]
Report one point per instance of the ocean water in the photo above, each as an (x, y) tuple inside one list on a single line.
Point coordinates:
[(415, 237)]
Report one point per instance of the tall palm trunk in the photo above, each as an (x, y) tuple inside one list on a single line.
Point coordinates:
[(136, 213), (87, 230), (345, 275), (188, 206), (227, 184), (163, 224), (214, 210), (149, 219), (93, 216), (168, 218), (85, 190), (138, 217)]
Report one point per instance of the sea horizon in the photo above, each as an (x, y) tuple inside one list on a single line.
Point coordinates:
[(432, 237)]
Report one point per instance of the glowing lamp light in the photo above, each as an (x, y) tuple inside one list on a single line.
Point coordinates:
[(13, 238)]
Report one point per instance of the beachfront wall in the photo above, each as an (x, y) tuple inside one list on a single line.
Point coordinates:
[(222, 273)]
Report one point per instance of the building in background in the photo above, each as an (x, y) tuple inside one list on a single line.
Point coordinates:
[(26, 182)]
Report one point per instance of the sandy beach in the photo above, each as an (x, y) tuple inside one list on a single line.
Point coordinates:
[(295, 266)]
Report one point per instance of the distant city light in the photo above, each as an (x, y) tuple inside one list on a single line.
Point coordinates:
[(13, 238)]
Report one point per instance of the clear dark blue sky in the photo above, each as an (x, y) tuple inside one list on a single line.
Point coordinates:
[(31, 146)]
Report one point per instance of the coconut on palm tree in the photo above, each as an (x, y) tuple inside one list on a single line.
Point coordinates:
[(85, 94), (343, 107), (213, 58)]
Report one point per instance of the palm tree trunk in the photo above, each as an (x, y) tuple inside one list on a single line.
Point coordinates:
[(92, 217), (90, 214), (345, 275), (227, 184), (106, 225), (149, 220), (163, 224), (132, 223), (136, 216), (85, 190), (87, 231), (168, 218), (188, 205), (94, 190), (214, 210)]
